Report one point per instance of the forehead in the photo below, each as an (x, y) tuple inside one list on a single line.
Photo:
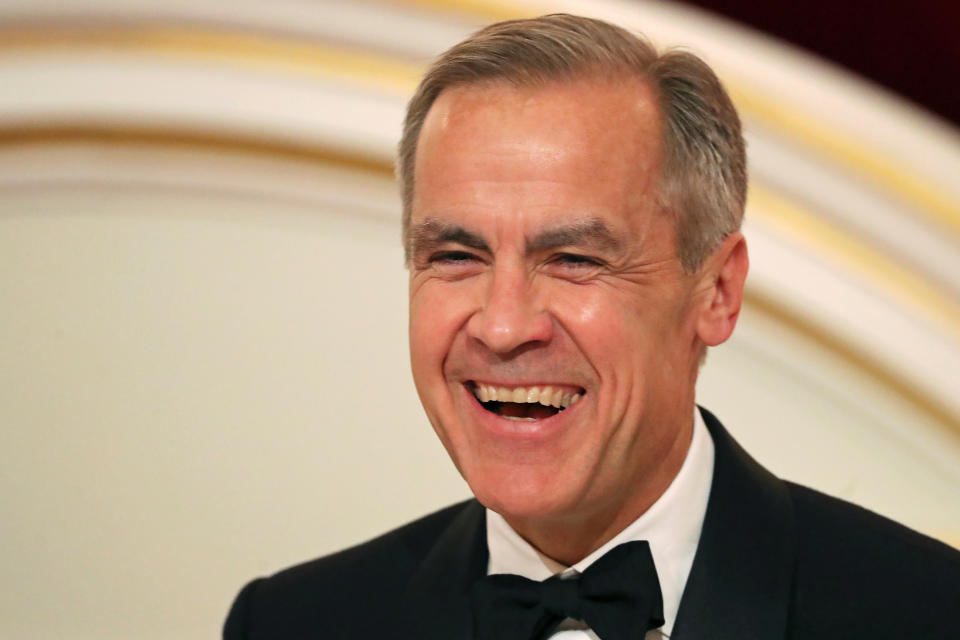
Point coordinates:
[(570, 149)]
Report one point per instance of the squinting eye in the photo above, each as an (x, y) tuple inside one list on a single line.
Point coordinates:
[(454, 265), (575, 260), (451, 257)]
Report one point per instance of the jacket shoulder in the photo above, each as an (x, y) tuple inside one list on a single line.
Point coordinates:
[(860, 574), (336, 593)]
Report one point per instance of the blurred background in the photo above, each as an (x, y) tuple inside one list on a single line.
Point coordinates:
[(203, 355)]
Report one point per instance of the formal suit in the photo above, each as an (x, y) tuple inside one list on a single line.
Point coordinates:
[(775, 560)]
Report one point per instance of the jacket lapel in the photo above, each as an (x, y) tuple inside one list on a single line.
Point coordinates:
[(740, 584), (436, 602)]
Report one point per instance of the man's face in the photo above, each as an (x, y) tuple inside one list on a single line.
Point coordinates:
[(542, 267)]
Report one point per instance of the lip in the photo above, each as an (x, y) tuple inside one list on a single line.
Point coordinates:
[(520, 430)]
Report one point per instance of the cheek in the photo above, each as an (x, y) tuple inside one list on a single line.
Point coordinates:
[(424, 324), (577, 306), (621, 337), (436, 315), (598, 321)]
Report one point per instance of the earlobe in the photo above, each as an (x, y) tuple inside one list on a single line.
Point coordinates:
[(725, 271)]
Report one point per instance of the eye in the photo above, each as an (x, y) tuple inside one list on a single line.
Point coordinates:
[(573, 266), (454, 264), (576, 260), (451, 257)]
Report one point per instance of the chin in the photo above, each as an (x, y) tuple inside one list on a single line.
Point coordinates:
[(523, 494)]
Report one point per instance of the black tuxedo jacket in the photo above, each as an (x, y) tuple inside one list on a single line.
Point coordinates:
[(775, 560)]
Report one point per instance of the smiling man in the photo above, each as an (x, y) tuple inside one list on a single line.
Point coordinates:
[(544, 266), (572, 204)]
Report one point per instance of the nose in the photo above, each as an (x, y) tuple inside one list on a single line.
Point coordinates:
[(512, 313)]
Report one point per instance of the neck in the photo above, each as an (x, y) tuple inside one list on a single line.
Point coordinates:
[(569, 539)]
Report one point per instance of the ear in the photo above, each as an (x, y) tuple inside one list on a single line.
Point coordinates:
[(723, 274)]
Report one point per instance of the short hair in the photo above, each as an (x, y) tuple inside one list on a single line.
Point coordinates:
[(703, 182)]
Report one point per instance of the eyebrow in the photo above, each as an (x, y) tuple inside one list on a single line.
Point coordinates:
[(591, 232), (432, 233)]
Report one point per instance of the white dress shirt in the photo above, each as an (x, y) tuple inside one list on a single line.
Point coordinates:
[(671, 525)]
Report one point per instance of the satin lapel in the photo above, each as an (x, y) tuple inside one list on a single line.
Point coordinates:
[(740, 584), (436, 603)]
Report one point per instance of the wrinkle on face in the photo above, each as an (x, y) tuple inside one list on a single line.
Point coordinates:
[(544, 135), (535, 215)]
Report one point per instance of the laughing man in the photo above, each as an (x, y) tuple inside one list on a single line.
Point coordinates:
[(572, 205)]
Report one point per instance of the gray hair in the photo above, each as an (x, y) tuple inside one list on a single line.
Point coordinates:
[(704, 180)]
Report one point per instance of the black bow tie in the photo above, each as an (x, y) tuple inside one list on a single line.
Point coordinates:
[(618, 596)]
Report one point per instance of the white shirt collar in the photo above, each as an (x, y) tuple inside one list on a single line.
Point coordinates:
[(671, 525)]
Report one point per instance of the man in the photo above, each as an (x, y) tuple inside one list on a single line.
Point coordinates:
[(572, 204)]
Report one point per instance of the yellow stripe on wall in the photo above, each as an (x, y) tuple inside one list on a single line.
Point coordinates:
[(901, 282), (882, 173), (872, 164), (891, 379), (316, 59), (484, 10), (257, 50)]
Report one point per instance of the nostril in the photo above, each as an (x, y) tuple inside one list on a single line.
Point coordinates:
[(506, 332), (510, 315)]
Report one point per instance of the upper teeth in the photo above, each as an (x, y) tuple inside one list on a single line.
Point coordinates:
[(547, 396)]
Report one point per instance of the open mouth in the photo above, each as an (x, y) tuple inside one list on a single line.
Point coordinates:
[(525, 403)]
